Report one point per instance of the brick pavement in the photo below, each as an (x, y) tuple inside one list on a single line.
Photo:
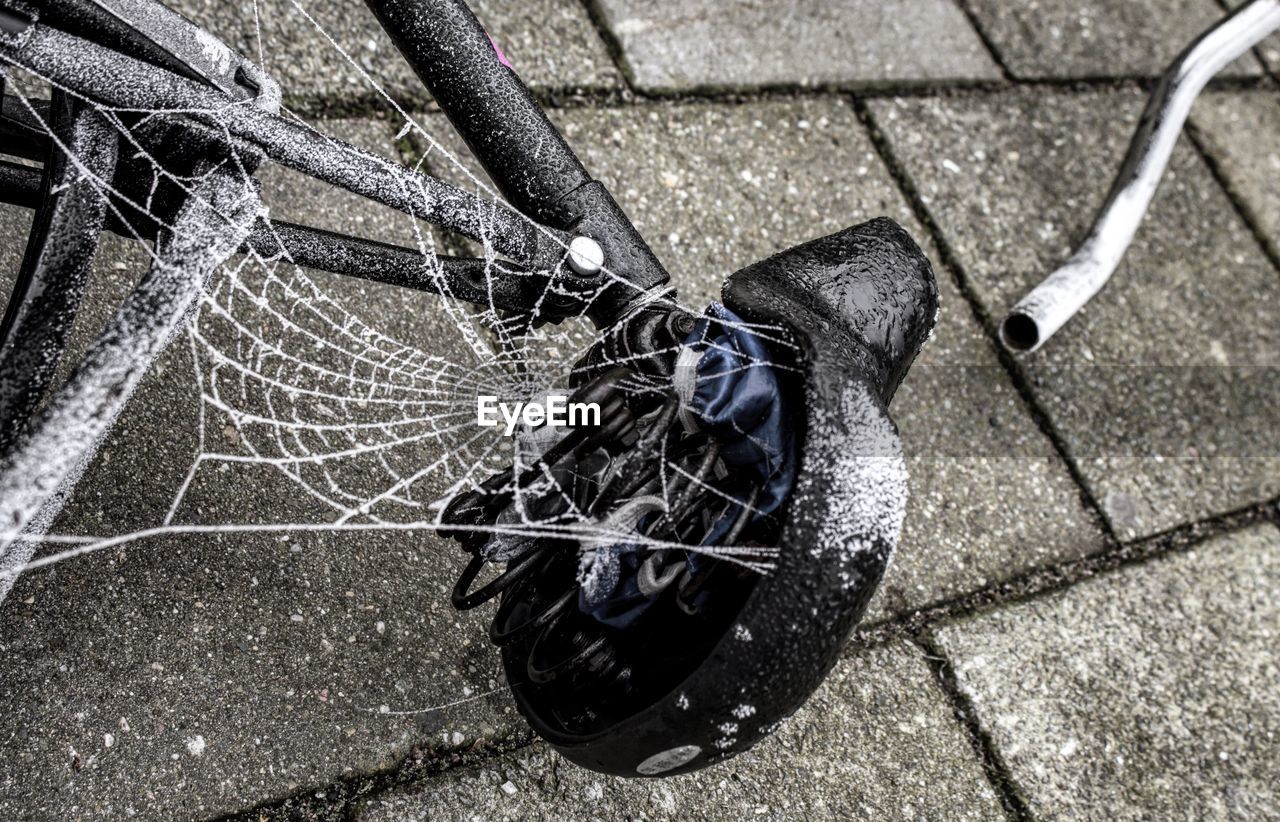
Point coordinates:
[(1083, 614)]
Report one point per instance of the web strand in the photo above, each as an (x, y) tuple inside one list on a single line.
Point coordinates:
[(365, 429)]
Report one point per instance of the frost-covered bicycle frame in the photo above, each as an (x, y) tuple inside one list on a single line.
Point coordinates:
[(692, 657), (88, 49), (159, 61), (725, 653)]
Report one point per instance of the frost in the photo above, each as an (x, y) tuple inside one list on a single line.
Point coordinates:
[(864, 481), (196, 745), (215, 52)]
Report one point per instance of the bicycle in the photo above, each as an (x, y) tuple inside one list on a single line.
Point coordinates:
[(743, 491), (690, 511)]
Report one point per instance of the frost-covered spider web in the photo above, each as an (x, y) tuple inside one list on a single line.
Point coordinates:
[(319, 411)]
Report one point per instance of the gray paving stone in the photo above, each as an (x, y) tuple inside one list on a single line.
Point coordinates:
[(1268, 49), (715, 188), (1147, 693), (551, 43), (1191, 309), (1097, 38), (195, 639), (990, 499), (192, 675), (1242, 131), (877, 741), (297, 198), (685, 45)]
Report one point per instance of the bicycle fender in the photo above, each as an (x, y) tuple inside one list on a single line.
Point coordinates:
[(859, 304)]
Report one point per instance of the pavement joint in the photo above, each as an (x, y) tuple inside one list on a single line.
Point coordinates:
[(374, 106), (596, 15), (1144, 693), (1049, 579), (985, 36), (1242, 209), (950, 261), (338, 800), (993, 764)]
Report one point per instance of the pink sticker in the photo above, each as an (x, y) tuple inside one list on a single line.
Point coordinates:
[(497, 49)]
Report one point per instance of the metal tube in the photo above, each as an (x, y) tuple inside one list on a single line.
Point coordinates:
[(530, 162), (118, 81), (463, 278), (55, 269), (490, 107), (213, 223), (1049, 305)]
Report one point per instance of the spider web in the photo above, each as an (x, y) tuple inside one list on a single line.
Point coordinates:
[(355, 425)]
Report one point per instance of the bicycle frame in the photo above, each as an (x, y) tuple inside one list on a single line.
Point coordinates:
[(570, 242), (851, 312)]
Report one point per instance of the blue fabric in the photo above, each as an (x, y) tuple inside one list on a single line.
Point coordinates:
[(738, 401)]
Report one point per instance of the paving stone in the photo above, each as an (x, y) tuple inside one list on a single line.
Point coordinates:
[(1269, 49), (1139, 384), (1147, 693), (990, 498), (1242, 131), (711, 44), (192, 675), (551, 43), (1097, 38), (878, 740), (188, 654), (716, 188), (295, 197), (16, 222)]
